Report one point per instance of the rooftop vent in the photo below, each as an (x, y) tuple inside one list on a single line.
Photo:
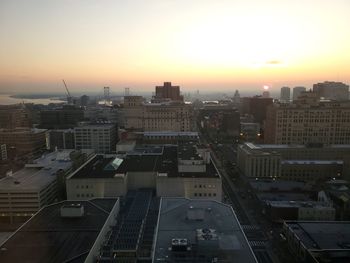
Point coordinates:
[(179, 244)]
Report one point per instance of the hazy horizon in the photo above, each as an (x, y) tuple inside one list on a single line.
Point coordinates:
[(205, 45)]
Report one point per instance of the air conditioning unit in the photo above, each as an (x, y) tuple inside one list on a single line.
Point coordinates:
[(179, 244)]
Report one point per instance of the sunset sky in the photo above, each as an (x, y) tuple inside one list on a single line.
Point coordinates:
[(197, 44)]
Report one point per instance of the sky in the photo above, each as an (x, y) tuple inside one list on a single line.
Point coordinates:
[(199, 44)]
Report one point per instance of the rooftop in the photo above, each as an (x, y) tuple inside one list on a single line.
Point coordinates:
[(228, 243), (49, 237), (35, 176), (297, 204), (318, 162), (266, 185), (23, 130), (291, 146), (322, 235), (161, 159)]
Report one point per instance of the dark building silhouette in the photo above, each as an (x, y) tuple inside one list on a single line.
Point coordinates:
[(256, 106), (14, 116), (62, 118), (22, 141), (167, 91), (62, 139), (332, 90)]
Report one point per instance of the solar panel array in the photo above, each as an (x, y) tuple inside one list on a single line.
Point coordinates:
[(132, 236)]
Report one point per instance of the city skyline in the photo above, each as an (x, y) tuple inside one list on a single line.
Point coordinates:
[(201, 45)]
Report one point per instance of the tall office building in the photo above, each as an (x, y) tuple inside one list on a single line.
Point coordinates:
[(308, 121), (285, 94), (297, 92), (100, 137), (14, 116), (167, 91), (256, 106), (332, 90)]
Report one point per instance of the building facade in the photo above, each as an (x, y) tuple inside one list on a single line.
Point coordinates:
[(38, 184), (61, 139), (308, 122), (256, 106), (332, 90), (61, 118), (100, 137), (292, 162), (297, 91), (14, 116), (23, 140), (156, 168), (165, 116), (168, 92), (3, 152), (285, 94)]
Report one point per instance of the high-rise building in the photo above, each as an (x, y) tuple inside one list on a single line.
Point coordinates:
[(257, 107), (23, 140), (285, 94), (14, 116), (100, 137), (236, 97), (164, 116), (62, 118), (308, 121), (220, 118), (332, 90), (297, 92), (61, 139), (167, 91)]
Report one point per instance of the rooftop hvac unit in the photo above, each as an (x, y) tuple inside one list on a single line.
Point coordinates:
[(179, 244)]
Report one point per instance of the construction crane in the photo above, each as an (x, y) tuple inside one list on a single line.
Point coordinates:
[(69, 97)]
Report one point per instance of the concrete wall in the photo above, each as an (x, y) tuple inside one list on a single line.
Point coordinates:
[(138, 180), (87, 188)]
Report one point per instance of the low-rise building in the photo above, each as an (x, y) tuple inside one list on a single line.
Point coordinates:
[(173, 171), (62, 232), (292, 162), (23, 140), (278, 211), (199, 231), (318, 242), (38, 184)]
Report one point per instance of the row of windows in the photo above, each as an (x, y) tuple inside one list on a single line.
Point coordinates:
[(85, 195), (205, 194), (205, 186), (84, 186)]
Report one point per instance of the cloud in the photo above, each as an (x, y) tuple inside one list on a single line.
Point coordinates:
[(273, 62)]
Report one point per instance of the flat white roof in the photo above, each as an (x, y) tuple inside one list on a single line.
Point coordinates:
[(35, 176)]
